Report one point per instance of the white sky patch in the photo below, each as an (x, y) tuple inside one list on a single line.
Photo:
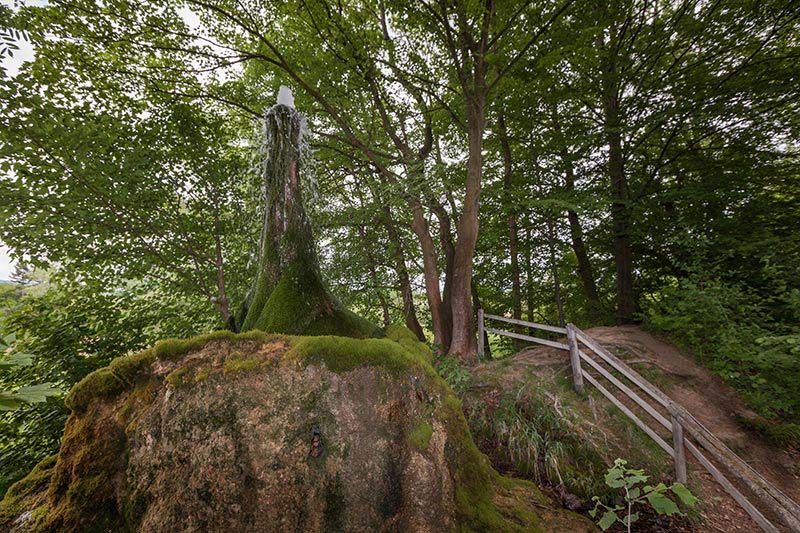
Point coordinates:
[(24, 54), (6, 264)]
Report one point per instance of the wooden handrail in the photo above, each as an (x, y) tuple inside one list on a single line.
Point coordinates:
[(624, 388), (771, 496), (680, 421), (621, 406), (554, 329), (624, 369), (553, 344)]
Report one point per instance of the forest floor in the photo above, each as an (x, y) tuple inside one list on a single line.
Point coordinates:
[(705, 395)]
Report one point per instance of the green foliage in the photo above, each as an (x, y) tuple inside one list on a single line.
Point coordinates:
[(734, 336), (453, 371), (129, 173), (635, 495), (71, 330), (10, 358), (536, 440)]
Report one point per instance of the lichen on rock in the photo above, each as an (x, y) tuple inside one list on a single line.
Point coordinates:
[(227, 446)]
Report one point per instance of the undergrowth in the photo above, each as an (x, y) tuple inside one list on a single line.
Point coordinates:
[(737, 338), (529, 437)]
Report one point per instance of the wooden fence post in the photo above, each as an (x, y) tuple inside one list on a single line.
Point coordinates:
[(680, 450), (480, 334), (575, 359)]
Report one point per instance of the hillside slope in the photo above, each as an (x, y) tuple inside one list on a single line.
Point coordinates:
[(585, 435)]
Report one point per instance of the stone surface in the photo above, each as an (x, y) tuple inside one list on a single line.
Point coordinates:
[(216, 434)]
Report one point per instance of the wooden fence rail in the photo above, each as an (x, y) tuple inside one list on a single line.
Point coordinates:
[(679, 422)]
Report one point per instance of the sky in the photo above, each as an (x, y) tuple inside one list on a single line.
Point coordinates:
[(25, 53)]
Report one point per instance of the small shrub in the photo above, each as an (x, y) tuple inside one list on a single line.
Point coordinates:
[(629, 480), (451, 370)]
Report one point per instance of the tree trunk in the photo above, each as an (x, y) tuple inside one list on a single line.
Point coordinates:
[(221, 301), (516, 285), (551, 243), (407, 294), (446, 242), (585, 272), (464, 343), (373, 274), (430, 271), (529, 299), (487, 350), (620, 212), (289, 295)]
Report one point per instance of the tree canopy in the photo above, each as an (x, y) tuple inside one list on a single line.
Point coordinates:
[(566, 160)]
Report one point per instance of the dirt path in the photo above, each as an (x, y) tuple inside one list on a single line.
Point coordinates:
[(716, 406)]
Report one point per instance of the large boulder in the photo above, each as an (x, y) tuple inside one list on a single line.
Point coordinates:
[(257, 432)]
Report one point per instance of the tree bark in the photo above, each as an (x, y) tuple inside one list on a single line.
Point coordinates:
[(529, 299), (487, 350), (464, 343), (446, 242), (585, 271), (551, 243), (406, 292), (289, 295), (373, 274), (221, 301), (430, 271), (620, 213), (513, 238)]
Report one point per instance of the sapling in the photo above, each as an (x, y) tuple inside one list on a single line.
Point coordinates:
[(620, 476)]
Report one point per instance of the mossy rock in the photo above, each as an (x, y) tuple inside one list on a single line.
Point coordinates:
[(217, 433)]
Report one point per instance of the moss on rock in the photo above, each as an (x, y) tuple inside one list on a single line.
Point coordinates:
[(342, 354), (100, 383), (420, 436), (406, 338), (242, 445), (27, 494)]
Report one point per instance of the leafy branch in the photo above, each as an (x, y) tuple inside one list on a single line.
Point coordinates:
[(10, 358)]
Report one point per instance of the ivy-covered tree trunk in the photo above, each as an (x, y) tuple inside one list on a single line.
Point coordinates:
[(289, 295)]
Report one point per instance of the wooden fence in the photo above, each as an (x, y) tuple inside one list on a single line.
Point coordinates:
[(672, 416)]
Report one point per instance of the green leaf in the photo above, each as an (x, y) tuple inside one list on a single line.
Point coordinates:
[(682, 492), (613, 478), (38, 393), (632, 518), (634, 477), (16, 359), (9, 403), (608, 520), (662, 505)]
